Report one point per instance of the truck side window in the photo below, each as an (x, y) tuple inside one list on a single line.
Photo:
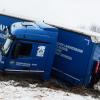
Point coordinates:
[(21, 50)]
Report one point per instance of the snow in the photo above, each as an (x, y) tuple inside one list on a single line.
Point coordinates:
[(68, 12), (19, 88), (97, 86)]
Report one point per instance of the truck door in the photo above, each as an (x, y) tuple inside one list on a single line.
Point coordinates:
[(20, 57), (40, 54)]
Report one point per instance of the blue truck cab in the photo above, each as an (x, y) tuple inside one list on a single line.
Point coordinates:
[(29, 47)]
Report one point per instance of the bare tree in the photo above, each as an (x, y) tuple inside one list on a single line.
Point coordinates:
[(95, 28)]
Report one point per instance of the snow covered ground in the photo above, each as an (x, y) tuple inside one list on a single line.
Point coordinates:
[(19, 88), (97, 86)]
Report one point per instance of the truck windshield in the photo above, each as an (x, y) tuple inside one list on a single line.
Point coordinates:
[(6, 46)]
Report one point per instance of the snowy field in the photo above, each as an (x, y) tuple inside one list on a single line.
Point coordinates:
[(25, 88)]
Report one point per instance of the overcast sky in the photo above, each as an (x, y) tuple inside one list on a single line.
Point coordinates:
[(68, 12)]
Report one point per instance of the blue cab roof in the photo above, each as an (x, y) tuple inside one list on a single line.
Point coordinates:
[(34, 31)]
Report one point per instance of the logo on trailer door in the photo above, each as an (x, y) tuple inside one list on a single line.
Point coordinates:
[(40, 51)]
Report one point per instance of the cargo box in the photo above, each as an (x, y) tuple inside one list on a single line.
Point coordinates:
[(77, 59)]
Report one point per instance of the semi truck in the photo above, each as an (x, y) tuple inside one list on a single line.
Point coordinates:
[(29, 46), (26, 46)]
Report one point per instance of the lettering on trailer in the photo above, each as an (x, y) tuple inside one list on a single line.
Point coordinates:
[(40, 51), (62, 47)]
